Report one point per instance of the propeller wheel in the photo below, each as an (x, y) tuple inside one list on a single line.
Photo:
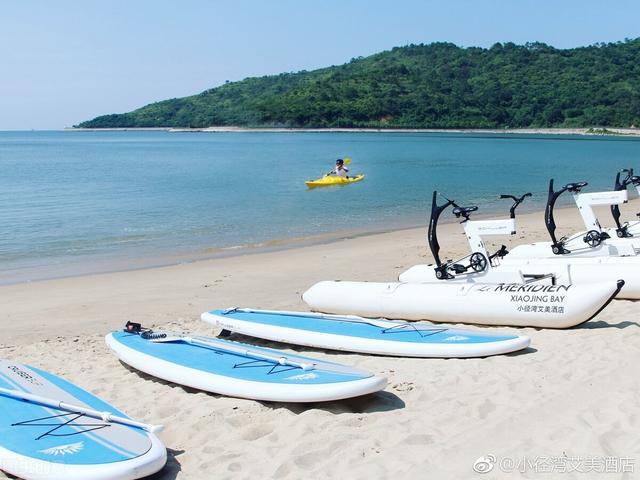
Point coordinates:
[(592, 238), (478, 262)]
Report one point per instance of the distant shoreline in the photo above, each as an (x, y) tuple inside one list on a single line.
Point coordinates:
[(597, 131)]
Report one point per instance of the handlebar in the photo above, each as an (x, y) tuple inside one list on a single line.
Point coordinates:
[(459, 211), (574, 187), (516, 201), (630, 178)]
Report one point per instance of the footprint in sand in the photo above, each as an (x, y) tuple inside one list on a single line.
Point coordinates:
[(282, 471), (236, 421), (257, 431), (308, 459), (485, 409), (352, 422), (418, 440), (403, 387)]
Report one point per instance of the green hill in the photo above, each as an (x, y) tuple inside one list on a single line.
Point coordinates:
[(438, 85)]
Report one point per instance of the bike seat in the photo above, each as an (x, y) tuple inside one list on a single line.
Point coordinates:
[(575, 187), (458, 211)]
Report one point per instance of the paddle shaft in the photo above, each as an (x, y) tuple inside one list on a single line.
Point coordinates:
[(58, 405), (385, 324), (224, 346)]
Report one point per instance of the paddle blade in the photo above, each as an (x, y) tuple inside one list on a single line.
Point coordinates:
[(163, 337)]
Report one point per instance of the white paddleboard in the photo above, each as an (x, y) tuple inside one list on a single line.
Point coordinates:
[(42, 442), (240, 370), (357, 334)]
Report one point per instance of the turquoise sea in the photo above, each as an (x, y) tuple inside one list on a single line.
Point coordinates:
[(78, 202)]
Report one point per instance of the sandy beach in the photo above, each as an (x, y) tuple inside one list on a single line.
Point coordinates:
[(515, 131), (569, 402)]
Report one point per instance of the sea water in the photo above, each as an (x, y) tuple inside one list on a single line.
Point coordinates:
[(79, 202)]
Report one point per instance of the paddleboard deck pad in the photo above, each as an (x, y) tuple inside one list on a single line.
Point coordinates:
[(357, 334), (40, 442), (240, 370)]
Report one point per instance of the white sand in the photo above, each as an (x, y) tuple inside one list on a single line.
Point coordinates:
[(631, 131), (575, 393)]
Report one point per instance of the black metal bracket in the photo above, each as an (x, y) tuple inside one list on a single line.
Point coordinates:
[(621, 184), (558, 246)]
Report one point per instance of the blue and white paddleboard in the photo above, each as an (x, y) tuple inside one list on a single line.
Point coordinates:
[(240, 370), (42, 438), (364, 335)]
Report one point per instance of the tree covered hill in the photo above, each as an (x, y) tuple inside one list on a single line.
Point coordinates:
[(438, 85)]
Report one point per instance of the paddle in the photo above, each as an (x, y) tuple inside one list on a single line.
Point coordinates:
[(386, 324), (225, 346), (165, 337), (106, 417)]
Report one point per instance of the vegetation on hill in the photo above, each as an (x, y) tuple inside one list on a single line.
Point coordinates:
[(438, 85)]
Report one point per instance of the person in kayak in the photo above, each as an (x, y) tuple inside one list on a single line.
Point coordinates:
[(340, 170)]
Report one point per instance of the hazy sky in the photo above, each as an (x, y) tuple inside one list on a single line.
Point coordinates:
[(62, 62)]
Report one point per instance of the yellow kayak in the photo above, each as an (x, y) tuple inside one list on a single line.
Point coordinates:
[(332, 180)]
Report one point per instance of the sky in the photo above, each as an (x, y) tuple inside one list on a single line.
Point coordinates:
[(63, 61)]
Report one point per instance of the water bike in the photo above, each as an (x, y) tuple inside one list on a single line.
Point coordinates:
[(627, 232), (595, 241), (474, 289), (482, 267)]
